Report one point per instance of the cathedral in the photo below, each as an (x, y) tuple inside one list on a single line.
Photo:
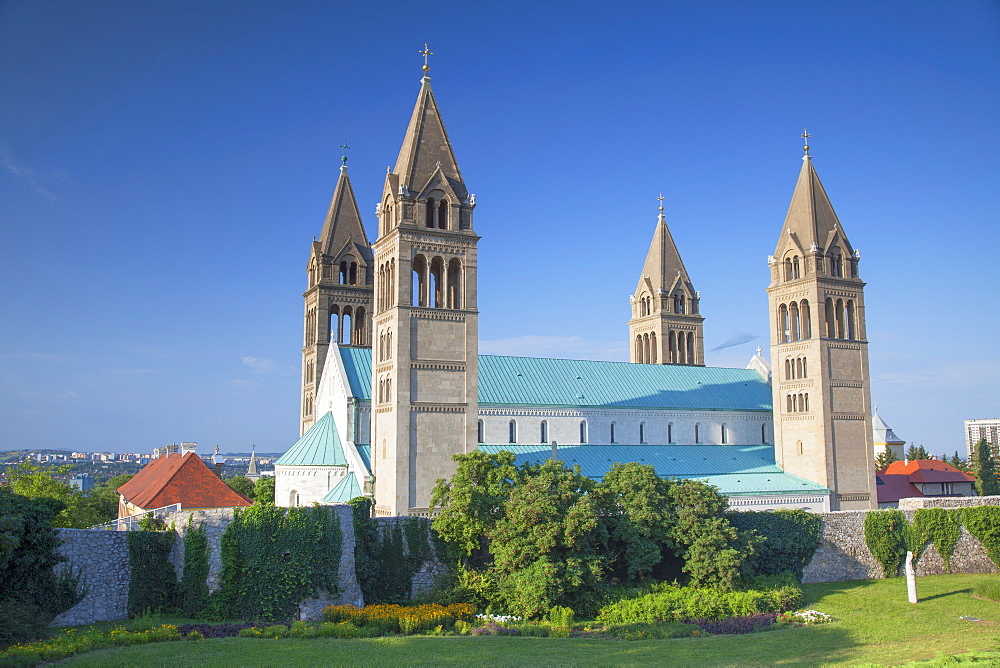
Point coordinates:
[(393, 384)]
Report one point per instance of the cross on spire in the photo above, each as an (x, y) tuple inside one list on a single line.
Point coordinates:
[(345, 147), (426, 53), (661, 202), (805, 135)]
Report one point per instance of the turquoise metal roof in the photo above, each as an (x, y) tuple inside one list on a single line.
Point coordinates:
[(365, 451), (734, 469), (320, 446), (358, 365), (345, 490), (531, 381)]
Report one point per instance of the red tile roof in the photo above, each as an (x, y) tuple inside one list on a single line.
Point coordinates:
[(891, 488), (180, 478), (928, 470)]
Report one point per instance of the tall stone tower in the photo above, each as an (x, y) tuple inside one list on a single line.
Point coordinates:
[(666, 326), (338, 300), (426, 325), (819, 353)]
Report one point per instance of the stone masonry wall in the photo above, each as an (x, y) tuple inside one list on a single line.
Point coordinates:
[(101, 559), (843, 554), (425, 578)]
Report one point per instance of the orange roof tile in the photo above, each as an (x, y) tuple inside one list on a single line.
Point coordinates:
[(928, 470), (180, 478)]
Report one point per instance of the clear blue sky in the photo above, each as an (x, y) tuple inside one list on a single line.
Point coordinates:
[(166, 164)]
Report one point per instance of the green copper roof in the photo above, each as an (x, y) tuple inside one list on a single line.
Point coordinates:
[(734, 469), (345, 490), (530, 381), (320, 446)]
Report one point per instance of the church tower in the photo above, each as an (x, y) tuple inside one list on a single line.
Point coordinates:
[(425, 345), (338, 300), (666, 327), (819, 353)]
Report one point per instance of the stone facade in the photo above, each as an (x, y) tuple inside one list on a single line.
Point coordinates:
[(101, 558)]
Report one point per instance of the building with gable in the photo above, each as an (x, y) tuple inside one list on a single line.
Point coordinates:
[(178, 478), (393, 384)]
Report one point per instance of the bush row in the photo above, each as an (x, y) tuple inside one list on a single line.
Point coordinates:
[(681, 604)]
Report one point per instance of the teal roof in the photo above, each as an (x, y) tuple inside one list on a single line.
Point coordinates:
[(532, 381), (320, 446), (345, 490), (365, 452), (734, 469)]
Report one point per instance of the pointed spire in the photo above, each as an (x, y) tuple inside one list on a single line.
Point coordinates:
[(426, 147), (343, 221), (811, 219), (252, 469), (663, 262)]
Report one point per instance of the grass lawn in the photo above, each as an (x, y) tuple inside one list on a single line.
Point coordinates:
[(874, 624)]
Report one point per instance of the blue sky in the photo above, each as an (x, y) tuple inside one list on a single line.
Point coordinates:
[(165, 165)]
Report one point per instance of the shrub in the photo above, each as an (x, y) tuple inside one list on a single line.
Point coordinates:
[(790, 538), (339, 630), (988, 589), (641, 631), (393, 618), (983, 522), (679, 604), (738, 625), (561, 616)]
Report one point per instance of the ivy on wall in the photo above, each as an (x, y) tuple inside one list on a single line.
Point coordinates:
[(273, 558), (366, 543), (983, 522), (790, 539), (885, 535), (152, 582), (194, 581), (403, 547), (942, 528)]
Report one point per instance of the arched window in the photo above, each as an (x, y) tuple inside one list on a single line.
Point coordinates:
[(645, 348), (789, 408), (763, 434), (642, 432), (806, 319), (652, 347), (360, 327), (454, 283), (798, 368), (333, 324), (691, 357), (795, 267), (431, 213), (613, 439), (788, 369), (679, 303), (840, 318), (850, 320), (831, 321), (342, 275), (293, 498), (725, 435), (670, 432), (418, 295), (638, 348), (437, 283), (543, 432), (512, 431), (344, 337), (805, 368), (805, 402), (479, 432), (793, 321), (583, 431), (784, 332), (697, 432), (672, 344), (788, 268), (801, 449), (443, 214)]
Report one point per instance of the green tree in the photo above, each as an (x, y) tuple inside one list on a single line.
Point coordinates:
[(713, 550), (636, 509), (959, 463), (103, 498), (39, 482), (884, 458), (31, 593), (472, 502), (916, 452), (241, 484), (546, 545), (985, 470), (263, 490)]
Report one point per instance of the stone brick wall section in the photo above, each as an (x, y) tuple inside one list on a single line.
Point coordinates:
[(843, 554), (101, 558), (427, 576)]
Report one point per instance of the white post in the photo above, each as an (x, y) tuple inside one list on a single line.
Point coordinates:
[(911, 578)]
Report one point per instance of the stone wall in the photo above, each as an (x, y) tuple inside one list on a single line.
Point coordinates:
[(843, 554), (426, 577), (101, 559)]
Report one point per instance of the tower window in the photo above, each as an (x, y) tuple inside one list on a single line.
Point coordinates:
[(543, 432), (725, 435), (431, 212), (763, 434), (443, 214), (613, 439), (479, 432), (697, 432), (512, 431), (670, 432), (642, 432), (583, 431)]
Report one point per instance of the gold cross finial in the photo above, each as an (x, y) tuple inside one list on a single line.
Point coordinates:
[(426, 53), (661, 202), (805, 135), (343, 158)]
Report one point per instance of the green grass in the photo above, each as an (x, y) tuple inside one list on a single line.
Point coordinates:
[(874, 624)]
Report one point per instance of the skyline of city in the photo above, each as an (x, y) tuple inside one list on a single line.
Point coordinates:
[(163, 177)]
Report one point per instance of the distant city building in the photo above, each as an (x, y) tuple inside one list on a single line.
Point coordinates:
[(82, 482), (977, 429)]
